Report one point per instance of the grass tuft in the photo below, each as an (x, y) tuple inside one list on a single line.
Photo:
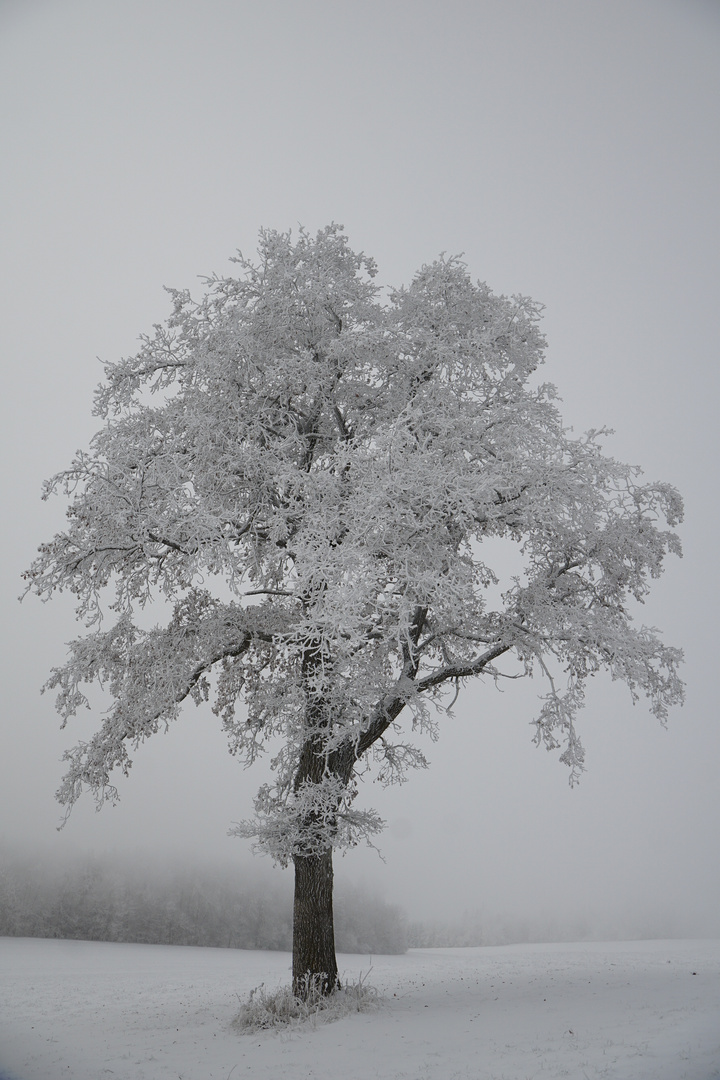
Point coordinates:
[(263, 1009)]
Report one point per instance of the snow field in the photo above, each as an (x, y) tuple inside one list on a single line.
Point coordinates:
[(645, 1010)]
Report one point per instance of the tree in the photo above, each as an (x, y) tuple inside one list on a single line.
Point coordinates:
[(310, 475)]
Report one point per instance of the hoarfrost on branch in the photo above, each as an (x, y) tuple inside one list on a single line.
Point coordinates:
[(309, 475)]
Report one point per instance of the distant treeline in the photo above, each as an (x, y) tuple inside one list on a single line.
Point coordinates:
[(100, 901), (250, 907)]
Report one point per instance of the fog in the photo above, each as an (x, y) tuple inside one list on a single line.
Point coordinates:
[(571, 152)]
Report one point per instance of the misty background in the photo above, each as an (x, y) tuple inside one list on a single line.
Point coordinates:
[(571, 151)]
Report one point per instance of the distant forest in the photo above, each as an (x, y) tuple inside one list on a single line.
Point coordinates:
[(112, 899), (103, 901)]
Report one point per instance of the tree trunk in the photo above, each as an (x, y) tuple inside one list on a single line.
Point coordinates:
[(315, 968)]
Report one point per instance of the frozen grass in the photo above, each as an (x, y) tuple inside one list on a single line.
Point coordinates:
[(280, 1008)]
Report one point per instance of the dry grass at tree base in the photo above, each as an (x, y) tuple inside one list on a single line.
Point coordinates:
[(263, 1010)]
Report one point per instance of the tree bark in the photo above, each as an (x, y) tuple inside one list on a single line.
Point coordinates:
[(315, 968)]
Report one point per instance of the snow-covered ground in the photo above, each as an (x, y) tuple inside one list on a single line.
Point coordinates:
[(622, 1010)]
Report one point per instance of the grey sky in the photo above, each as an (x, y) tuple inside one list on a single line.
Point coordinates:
[(571, 151)]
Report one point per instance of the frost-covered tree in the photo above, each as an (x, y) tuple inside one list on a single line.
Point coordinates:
[(309, 474)]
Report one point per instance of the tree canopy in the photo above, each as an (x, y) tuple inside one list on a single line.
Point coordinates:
[(307, 471)]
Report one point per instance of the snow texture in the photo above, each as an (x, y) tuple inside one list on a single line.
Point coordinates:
[(644, 1010)]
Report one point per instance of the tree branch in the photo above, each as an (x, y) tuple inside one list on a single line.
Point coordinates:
[(461, 671)]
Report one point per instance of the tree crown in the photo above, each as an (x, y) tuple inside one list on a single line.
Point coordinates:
[(311, 475)]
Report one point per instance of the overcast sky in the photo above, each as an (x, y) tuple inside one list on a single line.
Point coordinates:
[(571, 150)]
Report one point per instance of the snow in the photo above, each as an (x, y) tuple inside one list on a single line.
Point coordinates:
[(644, 1010)]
